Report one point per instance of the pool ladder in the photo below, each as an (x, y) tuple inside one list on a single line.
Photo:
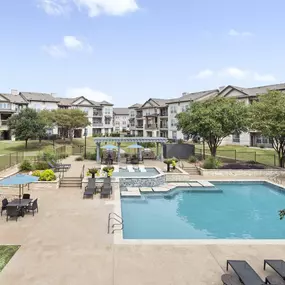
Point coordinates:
[(118, 222)]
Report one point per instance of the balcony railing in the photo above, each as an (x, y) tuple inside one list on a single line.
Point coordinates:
[(163, 114), (164, 126), (151, 126), (97, 114), (139, 115), (153, 114), (97, 124), (139, 126), (4, 123)]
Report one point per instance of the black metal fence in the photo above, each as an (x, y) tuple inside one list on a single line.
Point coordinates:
[(228, 156), (14, 158)]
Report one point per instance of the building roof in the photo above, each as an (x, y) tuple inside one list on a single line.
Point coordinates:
[(130, 139), (42, 97), (137, 105), (193, 96), (254, 91), (14, 98), (66, 101), (121, 111), (106, 103)]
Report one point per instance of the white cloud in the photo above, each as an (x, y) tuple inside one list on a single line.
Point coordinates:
[(235, 33), (89, 94), (235, 73), (93, 7), (204, 74), (69, 44)]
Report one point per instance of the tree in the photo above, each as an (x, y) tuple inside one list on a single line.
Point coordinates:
[(25, 125), (214, 119), (268, 117), (46, 121), (70, 119)]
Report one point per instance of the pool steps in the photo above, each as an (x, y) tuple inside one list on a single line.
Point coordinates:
[(205, 186)]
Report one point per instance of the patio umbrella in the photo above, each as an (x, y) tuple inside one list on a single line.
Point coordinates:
[(109, 147), (138, 147), (20, 180)]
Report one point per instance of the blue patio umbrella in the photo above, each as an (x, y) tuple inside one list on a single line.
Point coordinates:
[(109, 147), (18, 179)]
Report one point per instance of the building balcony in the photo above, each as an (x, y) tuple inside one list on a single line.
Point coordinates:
[(164, 114), (97, 114), (150, 126), (4, 125), (139, 126), (153, 114), (139, 116), (97, 124), (164, 126)]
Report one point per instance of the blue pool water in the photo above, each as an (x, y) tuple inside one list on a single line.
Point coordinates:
[(150, 171), (240, 211)]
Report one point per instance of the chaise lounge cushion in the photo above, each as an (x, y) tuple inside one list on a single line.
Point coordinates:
[(229, 279)]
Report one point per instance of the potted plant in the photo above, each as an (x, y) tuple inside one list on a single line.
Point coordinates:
[(108, 170), (170, 161), (92, 172)]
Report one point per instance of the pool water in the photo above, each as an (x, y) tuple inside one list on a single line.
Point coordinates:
[(240, 211)]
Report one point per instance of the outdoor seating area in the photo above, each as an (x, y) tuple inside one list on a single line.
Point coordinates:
[(19, 207), (245, 274), (92, 189)]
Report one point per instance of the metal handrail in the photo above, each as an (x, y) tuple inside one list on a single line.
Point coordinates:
[(82, 174), (120, 222)]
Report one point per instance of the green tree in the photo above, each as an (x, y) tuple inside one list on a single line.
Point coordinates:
[(25, 125), (214, 119), (46, 121), (268, 117), (70, 119)]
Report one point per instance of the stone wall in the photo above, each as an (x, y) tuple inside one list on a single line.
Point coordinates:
[(142, 182), (44, 185), (241, 172), (177, 177)]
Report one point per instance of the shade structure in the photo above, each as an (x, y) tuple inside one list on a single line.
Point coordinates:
[(18, 179), (109, 147), (135, 146)]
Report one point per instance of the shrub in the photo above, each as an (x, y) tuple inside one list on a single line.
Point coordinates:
[(36, 173), (41, 165), (62, 155), (108, 168), (26, 166), (262, 146), (212, 163), (92, 172), (252, 162), (91, 155), (47, 175), (180, 141), (49, 155), (192, 159), (79, 158)]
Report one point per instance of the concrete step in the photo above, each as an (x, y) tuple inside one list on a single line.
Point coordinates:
[(70, 185)]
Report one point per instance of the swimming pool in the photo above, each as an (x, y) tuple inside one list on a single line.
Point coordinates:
[(123, 172), (240, 211)]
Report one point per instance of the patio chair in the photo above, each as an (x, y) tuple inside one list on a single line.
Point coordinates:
[(26, 196), (130, 168), (106, 191), (33, 207), (90, 188), (278, 265), (56, 168), (142, 168), (229, 279), (4, 205), (60, 164), (245, 272), (13, 212)]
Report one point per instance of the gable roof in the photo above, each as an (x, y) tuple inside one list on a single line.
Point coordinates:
[(14, 98), (157, 103), (193, 96), (106, 103), (121, 111), (137, 105), (66, 101), (42, 97)]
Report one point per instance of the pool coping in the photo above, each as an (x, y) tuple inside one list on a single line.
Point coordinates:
[(119, 240)]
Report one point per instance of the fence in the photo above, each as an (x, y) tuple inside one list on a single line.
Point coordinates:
[(14, 158), (229, 156)]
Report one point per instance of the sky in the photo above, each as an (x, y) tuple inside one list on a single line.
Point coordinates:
[(127, 51)]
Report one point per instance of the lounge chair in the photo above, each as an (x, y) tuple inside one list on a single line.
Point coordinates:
[(130, 168), (60, 164), (116, 168), (142, 169), (245, 272), (13, 212), (33, 207), (4, 205), (274, 279), (278, 265), (90, 188), (106, 191), (229, 279), (56, 168)]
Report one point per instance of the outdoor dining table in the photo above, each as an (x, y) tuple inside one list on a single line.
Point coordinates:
[(21, 203)]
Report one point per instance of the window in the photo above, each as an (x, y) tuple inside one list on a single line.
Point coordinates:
[(5, 106), (124, 123), (236, 138), (263, 140), (174, 135), (107, 111), (173, 110), (173, 123)]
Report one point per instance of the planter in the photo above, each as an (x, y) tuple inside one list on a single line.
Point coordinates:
[(44, 185)]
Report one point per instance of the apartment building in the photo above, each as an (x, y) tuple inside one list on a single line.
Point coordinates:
[(100, 114), (157, 117), (120, 119)]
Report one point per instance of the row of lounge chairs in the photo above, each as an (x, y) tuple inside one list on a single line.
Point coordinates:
[(55, 166), (91, 189), (246, 275)]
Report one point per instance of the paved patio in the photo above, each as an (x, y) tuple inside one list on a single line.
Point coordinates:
[(67, 243)]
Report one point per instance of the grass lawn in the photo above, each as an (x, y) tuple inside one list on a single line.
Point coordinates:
[(18, 146), (6, 253), (264, 156)]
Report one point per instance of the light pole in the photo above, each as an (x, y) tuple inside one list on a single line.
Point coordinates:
[(85, 135)]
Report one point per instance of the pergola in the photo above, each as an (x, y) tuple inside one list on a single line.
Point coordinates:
[(119, 140)]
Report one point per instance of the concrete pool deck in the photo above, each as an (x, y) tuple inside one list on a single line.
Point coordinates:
[(67, 243)]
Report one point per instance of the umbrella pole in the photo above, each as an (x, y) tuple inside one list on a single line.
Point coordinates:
[(20, 191)]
